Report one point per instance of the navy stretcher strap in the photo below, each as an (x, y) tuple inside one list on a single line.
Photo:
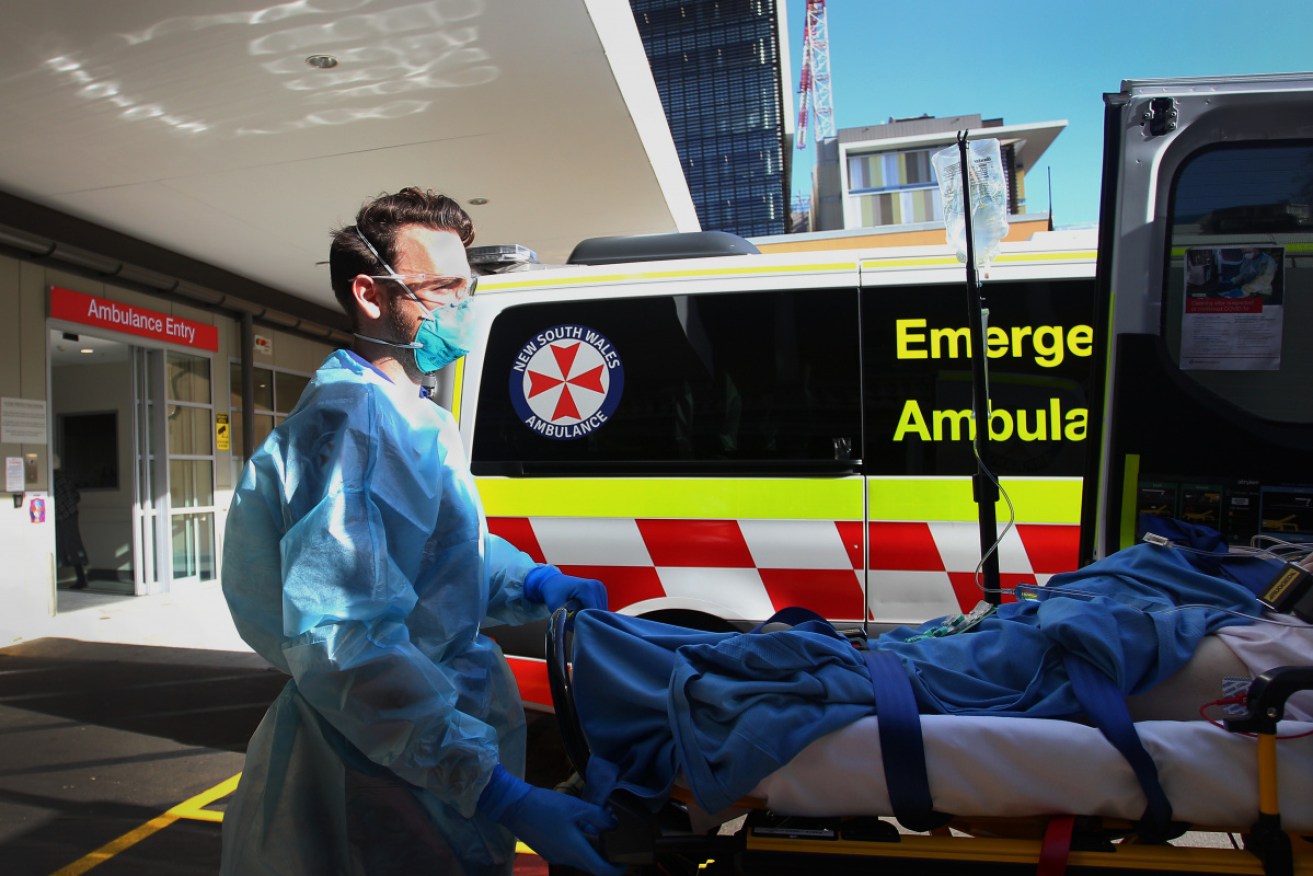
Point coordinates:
[(902, 748), (1106, 707)]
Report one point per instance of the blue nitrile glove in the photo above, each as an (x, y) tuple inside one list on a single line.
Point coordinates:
[(549, 585), (556, 826)]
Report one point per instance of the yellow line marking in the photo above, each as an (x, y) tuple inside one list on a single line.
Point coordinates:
[(193, 808), (939, 261)]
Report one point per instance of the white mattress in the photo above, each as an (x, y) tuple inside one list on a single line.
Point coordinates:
[(1024, 766)]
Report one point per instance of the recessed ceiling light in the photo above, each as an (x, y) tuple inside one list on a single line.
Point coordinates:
[(478, 202), (322, 62), (86, 350)]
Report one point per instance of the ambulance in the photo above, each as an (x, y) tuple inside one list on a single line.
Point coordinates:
[(719, 437), (716, 437)]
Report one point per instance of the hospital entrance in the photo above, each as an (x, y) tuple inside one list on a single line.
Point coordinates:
[(132, 435)]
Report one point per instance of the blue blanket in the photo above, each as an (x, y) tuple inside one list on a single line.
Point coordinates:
[(727, 709)]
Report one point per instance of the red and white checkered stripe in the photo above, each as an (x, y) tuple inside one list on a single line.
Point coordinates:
[(748, 569)]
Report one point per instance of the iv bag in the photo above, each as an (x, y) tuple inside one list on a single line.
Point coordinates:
[(989, 199)]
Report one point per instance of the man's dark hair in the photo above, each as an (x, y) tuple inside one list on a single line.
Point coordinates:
[(379, 220)]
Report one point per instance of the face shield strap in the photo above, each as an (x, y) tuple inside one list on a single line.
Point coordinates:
[(378, 258), (396, 278), (392, 272), (411, 346)]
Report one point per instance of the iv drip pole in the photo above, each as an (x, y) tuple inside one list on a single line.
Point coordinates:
[(984, 490)]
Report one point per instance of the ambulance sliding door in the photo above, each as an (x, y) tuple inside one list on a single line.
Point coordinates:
[(1208, 259), (924, 535), (696, 449)]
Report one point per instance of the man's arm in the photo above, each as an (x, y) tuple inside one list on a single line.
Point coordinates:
[(356, 540)]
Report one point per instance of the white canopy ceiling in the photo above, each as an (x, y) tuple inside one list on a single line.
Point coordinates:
[(197, 126)]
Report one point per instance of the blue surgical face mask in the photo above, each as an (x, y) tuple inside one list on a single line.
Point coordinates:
[(445, 335)]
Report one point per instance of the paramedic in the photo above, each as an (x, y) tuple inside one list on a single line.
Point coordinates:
[(357, 560)]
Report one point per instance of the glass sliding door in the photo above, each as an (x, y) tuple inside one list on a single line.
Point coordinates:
[(150, 501), (190, 430)]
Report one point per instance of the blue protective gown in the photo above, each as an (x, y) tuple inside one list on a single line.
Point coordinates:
[(357, 560)]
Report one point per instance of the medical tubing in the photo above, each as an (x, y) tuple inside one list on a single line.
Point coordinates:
[(985, 470), (1238, 551), (1012, 519), (1039, 592), (1241, 699), (1298, 549)]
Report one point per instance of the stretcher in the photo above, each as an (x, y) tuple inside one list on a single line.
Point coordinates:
[(1017, 795)]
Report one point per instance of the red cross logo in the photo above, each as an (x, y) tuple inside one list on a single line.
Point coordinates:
[(584, 372)]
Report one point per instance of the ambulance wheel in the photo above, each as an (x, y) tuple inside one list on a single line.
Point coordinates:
[(692, 620)]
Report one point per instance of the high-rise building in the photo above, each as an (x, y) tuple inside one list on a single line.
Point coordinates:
[(721, 68)]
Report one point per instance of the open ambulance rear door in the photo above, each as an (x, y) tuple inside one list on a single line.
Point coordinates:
[(1206, 255)]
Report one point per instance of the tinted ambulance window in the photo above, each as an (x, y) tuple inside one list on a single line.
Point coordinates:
[(918, 382), (710, 384), (1238, 307)]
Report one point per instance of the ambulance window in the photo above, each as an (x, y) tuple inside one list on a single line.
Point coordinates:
[(1238, 290), (725, 384)]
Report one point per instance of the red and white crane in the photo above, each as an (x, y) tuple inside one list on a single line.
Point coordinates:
[(815, 81)]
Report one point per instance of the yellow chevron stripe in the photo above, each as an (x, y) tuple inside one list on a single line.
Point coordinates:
[(1036, 500), (675, 498)]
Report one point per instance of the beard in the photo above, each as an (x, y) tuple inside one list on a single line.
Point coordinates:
[(402, 333)]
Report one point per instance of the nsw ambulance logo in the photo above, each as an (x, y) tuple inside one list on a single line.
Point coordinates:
[(566, 382)]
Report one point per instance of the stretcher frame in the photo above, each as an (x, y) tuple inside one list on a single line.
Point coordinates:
[(666, 841)]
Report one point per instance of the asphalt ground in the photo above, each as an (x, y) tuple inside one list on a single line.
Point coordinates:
[(123, 724), (119, 758)]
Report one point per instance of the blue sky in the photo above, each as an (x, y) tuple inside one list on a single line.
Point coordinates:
[(1036, 61)]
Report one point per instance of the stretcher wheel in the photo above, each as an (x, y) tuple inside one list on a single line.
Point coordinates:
[(559, 638)]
